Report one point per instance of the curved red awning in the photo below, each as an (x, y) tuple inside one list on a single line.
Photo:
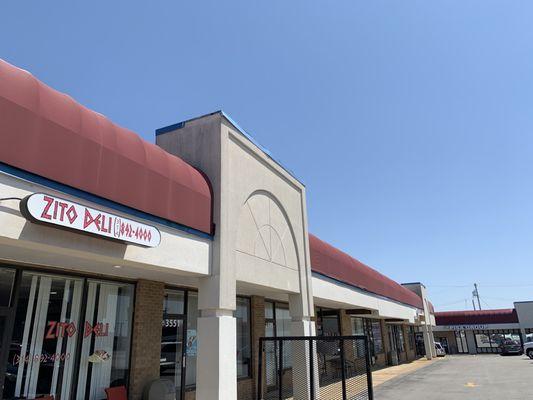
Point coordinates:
[(330, 261), (47, 133), (473, 317)]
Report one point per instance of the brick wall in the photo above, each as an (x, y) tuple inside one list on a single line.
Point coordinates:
[(146, 336)]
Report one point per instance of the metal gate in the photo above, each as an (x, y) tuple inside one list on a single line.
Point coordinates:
[(314, 368)]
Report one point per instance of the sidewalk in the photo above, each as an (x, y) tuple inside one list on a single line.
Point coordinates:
[(383, 375)]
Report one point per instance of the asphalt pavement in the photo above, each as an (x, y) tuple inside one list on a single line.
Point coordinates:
[(469, 377)]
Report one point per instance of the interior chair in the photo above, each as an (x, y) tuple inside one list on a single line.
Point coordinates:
[(117, 393)]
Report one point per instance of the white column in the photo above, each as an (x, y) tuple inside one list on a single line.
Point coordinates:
[(428, 342), (432, 341), (216, 365), (301, 325)]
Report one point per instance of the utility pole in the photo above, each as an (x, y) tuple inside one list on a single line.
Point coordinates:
[(475, 293), (473, 304)]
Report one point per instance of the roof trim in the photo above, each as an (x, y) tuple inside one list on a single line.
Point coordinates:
[(365, 291), (334, 263)]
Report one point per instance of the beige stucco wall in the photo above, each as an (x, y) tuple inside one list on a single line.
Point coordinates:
[(259, 210)]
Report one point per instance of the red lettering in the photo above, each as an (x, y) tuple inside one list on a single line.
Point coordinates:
[(72, 215), (55, 210), (89, 219), (99, 329), (49, 202), (63, 206), (51, 327), (104, 224)]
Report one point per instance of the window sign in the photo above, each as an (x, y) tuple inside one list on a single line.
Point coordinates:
[(192, 343), (71, 338), (46, 209)]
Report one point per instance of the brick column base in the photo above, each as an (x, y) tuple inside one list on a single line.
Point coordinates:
[(146, 336)]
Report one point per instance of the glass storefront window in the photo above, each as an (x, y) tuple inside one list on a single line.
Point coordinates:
[(45, 335), (411, 337), (7, 278), (357, 326), (378, 339), (174, 302), (482, 340), (71, 337), (460, 339), (327, 322), (105, 350), (283, 328), (191, 343), (489, 341), (401, 341), (242, 315)]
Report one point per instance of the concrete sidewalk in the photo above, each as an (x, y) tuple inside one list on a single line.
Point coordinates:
[(385, 374)]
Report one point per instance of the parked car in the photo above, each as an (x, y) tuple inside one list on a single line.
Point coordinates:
[(439, 350), (528, 349), (510, 346)]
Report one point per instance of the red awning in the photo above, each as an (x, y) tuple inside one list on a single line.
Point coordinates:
[(473, 317), (331, 262), (47, 133)]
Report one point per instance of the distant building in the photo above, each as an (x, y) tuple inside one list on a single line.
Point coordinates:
[(482, 331)]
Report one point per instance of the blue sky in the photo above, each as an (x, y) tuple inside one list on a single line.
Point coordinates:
[(409, 122)]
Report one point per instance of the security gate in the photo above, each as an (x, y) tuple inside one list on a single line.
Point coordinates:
[(314, 368)]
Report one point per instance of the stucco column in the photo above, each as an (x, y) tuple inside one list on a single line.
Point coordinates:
[(429, 342), (302, 325), (216, 368)]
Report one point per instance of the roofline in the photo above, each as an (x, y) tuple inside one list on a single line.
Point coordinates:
[(477, 311), (351, 285), (523, 302), (242, 131), (413, 283)]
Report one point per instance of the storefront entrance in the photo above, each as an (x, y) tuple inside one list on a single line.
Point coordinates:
[(460, 339), (65, 336), (396, 343), (178, 340)]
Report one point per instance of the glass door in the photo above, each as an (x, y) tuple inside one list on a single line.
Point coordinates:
[(460, 338), (394, 348), (172, 360)]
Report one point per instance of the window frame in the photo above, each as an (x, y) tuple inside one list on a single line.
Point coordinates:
[(250, 329)]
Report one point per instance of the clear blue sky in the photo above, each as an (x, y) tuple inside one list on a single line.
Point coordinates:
[(411, 123)]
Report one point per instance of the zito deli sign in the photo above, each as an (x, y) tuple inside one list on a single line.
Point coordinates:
[(43, 208)]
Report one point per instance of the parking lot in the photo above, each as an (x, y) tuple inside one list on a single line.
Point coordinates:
[(470, 377)]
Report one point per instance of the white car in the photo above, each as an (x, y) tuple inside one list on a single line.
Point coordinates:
[(439, 350), (528, 349)]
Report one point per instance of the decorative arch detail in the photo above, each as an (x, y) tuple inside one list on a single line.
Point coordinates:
[(265, 232)]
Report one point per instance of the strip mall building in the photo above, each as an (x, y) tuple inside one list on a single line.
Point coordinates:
[(482, 331), (123, 261)]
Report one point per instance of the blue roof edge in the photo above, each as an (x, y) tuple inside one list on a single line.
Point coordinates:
[(181, 124)]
